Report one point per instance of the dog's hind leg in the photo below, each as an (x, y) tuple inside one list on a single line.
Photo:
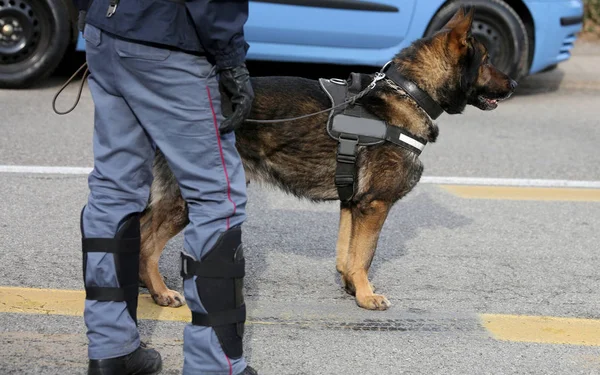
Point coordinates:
[(367, 221), (343, 241), (159, 225)]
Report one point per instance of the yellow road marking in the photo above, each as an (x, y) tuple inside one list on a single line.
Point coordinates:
[(540, 329), (543, 329), (71, 302), (524, 193)]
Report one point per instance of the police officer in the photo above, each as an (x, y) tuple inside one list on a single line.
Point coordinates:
[(155, 70)]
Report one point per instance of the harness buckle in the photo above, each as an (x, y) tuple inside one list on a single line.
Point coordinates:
[(378, 77), (112, 8), (386, 66), (337, 81), (344, 180), (347, 147), (347, 159), (184, 265)]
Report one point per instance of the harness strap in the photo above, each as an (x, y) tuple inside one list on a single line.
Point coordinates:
[(353, 87), (127, 250), (345, 171)]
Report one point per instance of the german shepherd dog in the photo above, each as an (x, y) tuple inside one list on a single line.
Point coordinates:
[(299, 157)]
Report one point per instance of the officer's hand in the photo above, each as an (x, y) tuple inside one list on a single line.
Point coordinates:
[(236, 84)]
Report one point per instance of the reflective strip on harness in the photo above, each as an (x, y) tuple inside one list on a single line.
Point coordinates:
[(401, 138), (412, 142)]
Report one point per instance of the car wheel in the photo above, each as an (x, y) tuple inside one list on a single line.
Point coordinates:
[(34, 36), (497, 26)]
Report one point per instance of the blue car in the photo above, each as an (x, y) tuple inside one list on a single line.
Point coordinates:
[(523, 36)]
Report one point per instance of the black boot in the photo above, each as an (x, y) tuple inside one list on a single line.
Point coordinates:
[(249, 371), (141, 362)]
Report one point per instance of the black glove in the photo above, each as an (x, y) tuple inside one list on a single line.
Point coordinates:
[(235, 82)]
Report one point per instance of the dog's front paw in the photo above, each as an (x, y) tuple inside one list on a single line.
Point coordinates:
[(349, 287), (373, 302), (169, 298)]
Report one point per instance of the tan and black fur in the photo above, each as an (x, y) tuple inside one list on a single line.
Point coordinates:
[(299, 157)]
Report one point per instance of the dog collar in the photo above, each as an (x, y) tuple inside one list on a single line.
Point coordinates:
[(430, 106)]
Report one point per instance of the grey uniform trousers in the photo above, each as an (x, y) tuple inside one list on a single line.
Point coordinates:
[(147, 97)]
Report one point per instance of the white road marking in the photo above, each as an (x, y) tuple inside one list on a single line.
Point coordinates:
[(38, 169), (521, 182), (436, 180)]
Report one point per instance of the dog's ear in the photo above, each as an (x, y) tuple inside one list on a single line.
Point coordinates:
[(461, 26), (455, 20)]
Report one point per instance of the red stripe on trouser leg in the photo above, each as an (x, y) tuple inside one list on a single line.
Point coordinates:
[(212, 108), (230, 367)]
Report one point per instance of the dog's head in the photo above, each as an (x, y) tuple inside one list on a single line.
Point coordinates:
[(454, 67)]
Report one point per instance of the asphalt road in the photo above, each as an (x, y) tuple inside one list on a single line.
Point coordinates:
[(445, 259)]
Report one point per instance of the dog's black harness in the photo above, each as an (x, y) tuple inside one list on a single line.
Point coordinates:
[(353, 126)]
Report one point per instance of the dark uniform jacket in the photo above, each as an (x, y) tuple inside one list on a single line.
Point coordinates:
[(213, 28)]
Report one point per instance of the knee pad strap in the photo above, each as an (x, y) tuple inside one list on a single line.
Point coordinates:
[(219, 282), (125, 248)]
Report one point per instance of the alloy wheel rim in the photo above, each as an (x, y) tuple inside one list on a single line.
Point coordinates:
[(20, 31)]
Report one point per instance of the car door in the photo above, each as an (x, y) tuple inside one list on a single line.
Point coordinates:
[(310, 30)]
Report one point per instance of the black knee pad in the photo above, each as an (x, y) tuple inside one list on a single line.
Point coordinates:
[(219, 282), (125, 248)]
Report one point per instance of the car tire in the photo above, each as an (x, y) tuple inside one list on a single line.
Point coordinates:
[(499, 27), (34, 37)]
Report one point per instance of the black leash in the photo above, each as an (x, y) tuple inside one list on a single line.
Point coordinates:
[(351, 100), (67, 84), (425, 101)]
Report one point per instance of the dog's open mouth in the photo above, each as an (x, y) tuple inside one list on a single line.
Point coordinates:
[(487, 104)]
